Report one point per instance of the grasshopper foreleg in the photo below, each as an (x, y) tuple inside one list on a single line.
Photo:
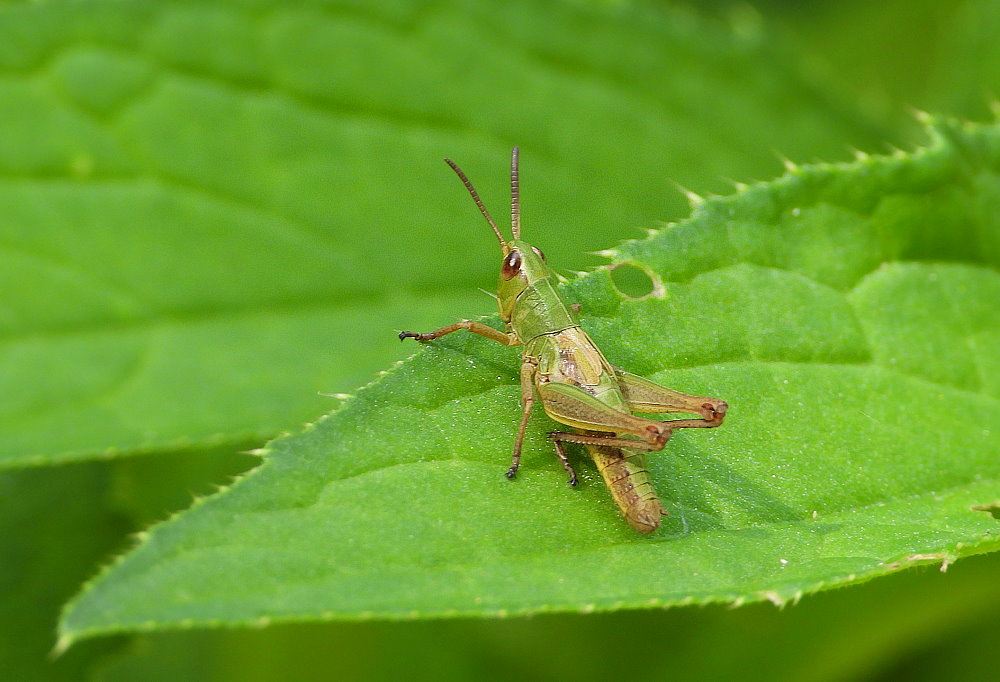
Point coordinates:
[(507, 339)]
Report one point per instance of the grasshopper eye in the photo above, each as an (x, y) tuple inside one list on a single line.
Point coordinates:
[(538, 252), (511, 265)]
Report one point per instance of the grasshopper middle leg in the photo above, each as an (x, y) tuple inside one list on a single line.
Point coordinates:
[(529, 367)]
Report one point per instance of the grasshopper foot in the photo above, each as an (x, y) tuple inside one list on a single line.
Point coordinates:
[(715, 411), (511, 473)]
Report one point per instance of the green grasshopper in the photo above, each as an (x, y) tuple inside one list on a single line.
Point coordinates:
[(563, 368)]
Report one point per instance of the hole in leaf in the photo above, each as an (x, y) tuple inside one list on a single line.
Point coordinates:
[(633, 281)]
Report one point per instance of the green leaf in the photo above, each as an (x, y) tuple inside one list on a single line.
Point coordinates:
[(846, 312), (966, 75), (214, 210), (684, 643)]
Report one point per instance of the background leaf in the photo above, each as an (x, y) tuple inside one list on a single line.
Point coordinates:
[(212, 211), (818, 306), (64, 508)]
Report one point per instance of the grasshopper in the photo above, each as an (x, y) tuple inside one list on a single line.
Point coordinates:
[(563, 369)]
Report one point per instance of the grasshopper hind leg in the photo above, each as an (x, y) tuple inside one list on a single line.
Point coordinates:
[(625, 473), (561, 454)]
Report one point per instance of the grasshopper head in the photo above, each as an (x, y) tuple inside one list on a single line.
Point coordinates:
[(522, 263)]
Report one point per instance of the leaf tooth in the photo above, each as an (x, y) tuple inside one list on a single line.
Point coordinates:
[(790, 166), (338, 396), (694, 199), (945, 558), (773, 597), (922, 116), (896, 152)]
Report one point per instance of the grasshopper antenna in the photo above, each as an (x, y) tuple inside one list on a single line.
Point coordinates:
[(515, 195), (475, 197)]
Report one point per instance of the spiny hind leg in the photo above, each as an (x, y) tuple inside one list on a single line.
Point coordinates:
[(561, 454), (611, 439), (644, 395)]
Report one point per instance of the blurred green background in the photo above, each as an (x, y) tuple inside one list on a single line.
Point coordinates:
[(254, 191)]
